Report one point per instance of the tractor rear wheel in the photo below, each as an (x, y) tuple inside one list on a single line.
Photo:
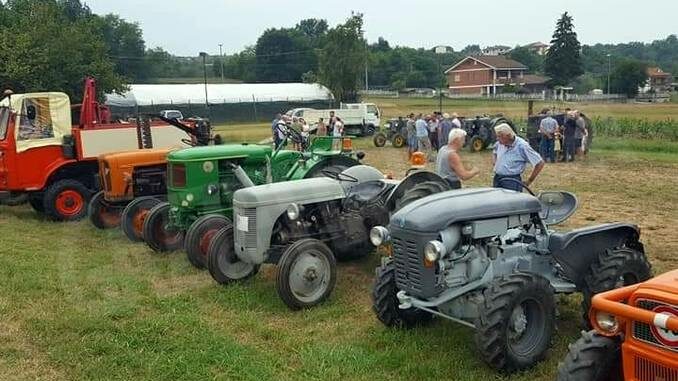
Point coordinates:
[(385, 303), (134, 215), (418, 191), (516, 321), (158, 234), (592, 358), (35, 199), (398, 141), (379, 139), (222, 262), (612, 269), (66, 200), (102, 214), (307, 274), (199, 235)]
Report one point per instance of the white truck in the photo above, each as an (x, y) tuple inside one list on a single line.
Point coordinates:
[(361, 119)]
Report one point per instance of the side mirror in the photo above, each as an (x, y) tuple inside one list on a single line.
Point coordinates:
[(557, 206)]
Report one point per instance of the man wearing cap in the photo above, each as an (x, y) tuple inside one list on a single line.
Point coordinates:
[(511, 155)]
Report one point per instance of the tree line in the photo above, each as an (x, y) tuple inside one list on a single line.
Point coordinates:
[(53, 44)]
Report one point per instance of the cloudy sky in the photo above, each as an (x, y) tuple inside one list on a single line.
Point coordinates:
[(186, 27)]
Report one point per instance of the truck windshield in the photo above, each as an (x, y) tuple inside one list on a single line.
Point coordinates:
[(372, 109), (4, 122)]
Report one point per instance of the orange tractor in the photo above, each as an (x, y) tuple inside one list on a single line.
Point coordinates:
[(635, 335), (135, 181)]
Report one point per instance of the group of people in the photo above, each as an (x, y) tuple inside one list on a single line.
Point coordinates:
[(281, 123), (510, 158), (563, 142), (428, 133)]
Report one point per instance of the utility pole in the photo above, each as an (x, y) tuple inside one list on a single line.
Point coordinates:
[(440, 50), (204, 70), (221, 58), (609, 66)]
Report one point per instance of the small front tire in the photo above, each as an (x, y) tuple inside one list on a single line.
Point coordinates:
[(199, 235), (385, 302), (134, 215), (592, 358), (158, 235), (102, 214), (66, 200), (307, 274), (223, 264), (398, 141), (379, 139)]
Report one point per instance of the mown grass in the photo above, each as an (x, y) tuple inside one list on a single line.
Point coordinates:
[(77, 303)]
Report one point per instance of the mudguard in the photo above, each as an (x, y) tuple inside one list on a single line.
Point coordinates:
[(410, 181), (576, 250)]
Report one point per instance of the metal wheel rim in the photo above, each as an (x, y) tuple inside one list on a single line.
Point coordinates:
[(524, 341), (309, 276), (168, 237), (69, 203), (231, 266)]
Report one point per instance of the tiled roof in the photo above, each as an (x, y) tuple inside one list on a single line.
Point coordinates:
[(657, 72), (500, 62)]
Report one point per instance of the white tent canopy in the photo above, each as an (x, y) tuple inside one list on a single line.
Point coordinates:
[(146, 95)]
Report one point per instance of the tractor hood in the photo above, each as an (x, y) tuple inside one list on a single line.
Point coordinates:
[(301, 192), (225, 151), (137, 158), (436, 212)]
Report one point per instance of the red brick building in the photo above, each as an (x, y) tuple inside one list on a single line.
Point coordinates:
[(487, 75)]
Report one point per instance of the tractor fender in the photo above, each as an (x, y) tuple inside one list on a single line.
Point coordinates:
[(413, 178), (83, 171), (346, 161), (576, 250)]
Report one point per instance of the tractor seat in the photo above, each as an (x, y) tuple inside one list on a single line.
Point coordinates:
[(367, 191)]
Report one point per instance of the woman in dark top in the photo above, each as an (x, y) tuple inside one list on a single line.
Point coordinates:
[(569, 129)]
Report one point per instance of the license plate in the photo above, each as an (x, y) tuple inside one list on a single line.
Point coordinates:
[(243, 223)]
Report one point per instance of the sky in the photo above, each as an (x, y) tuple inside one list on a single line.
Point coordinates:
[(185, 27)]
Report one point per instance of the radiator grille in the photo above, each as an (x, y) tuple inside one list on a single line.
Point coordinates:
[(647, 370), (248, 238), (408, 265), (643, 332)]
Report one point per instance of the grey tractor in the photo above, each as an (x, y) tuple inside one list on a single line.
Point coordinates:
[(487, 258), (307, 225)]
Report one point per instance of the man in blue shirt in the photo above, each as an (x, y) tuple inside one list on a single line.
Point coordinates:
[(547, 129), (422, 136), (511, 155)]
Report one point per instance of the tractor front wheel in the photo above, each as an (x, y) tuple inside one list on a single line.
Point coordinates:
[(307, 274), (66, 200), (612, 269), (102, 214), (222, 262), (592, 358), (385, 303), (134, 215), (398, 141), (476, 144), (379, 139), (516, 321), (199, 235), (159, 235)]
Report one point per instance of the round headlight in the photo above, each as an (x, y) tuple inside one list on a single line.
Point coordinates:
[(607, 322), (189, 197), (293, 211), (433, 250), (208, 166), (379, 235), (212, 189)]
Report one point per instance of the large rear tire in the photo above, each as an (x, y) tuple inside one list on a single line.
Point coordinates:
[(134, 215), (418, 191), (307, 274), (612, 269), (398, 141), (592, 358), (158, 235), (379, 139), (223, 264), (102, 214), (476, 144), (385, 303), (516, 321), (66, 200), (199, 235)]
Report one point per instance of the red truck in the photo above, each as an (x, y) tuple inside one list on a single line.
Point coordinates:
[(52, 162)]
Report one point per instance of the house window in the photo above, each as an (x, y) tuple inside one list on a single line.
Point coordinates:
[(457, 78)]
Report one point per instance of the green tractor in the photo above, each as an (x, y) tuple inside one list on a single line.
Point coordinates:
[(202, 180)]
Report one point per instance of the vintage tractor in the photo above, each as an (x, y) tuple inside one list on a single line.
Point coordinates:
[(202, 181), (533, 121), (394, 131), (303, 226), (480, 131), (54, 162), (126, 176), (487, 258), (635, 335)]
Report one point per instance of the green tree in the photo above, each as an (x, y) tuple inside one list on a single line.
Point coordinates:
[(313, 29), (563, 60), (343, 58), (627, 76), (527, 57), (283, 55), (126, 46)]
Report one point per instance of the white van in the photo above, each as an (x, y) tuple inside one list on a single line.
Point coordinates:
[(361, 119)]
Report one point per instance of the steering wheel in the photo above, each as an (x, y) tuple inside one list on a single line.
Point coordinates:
[(338, 176), (188, 142), (294, 135), (522, 184)]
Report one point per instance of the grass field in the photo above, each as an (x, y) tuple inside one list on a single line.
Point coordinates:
[(80, 303)]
